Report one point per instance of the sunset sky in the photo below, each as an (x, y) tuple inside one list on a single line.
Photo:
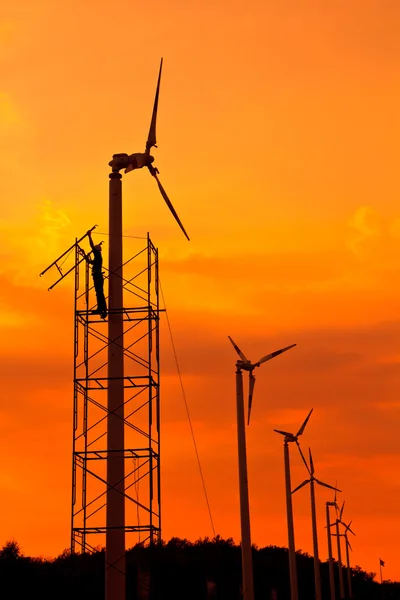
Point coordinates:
[(278, 142)]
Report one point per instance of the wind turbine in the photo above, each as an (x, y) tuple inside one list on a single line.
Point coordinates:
[(245, 365), (348, 547), (339, 513), (115, 511), (291, 437), (312, 480), (138, 160), (330, 556)]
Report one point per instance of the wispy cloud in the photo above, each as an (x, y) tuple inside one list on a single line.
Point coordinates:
[(365, 229), (31, 243)]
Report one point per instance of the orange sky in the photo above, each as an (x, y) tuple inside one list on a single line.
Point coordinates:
[(278, 140)]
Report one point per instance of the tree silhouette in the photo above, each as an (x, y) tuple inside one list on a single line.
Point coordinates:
[(178, 569)]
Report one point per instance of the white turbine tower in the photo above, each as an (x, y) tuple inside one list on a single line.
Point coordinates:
[(312, 480), (291, 437), (245, 365)]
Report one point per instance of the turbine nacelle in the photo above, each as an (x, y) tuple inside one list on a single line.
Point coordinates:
[(138, 160), (289, 437)]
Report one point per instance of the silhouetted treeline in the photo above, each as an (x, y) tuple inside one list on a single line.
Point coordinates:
[(179, 570)]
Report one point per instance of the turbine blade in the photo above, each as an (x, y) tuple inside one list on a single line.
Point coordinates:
[(301, 485), (167, 200), (238, 350), (304, 424), (285, 433), (152, 139), (326, 485), (348, 528), (272, 355), (341, 510), (252, 381), (348, 543), (311, 462), (302, 456)]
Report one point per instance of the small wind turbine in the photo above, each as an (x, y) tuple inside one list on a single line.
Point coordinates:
[(138, 160), (339, 513), (312, 480), (348, 547), (330, 556), (291, 437), (381, 564), (245, 365)]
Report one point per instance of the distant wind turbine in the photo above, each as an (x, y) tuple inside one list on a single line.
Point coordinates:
[(348, 547), (291, 437), (330, 555), (312, 480), (245, 365), (339, 514), (381, 564)]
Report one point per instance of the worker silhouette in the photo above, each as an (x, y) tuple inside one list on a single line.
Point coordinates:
[(98, 277)]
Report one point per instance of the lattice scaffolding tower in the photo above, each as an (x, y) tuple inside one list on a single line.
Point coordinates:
[(141, 382)]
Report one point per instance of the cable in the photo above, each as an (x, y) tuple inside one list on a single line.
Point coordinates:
[(66, 258), (187, 411)]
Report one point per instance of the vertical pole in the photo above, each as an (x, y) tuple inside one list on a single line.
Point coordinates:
[(85, 407), (317, 575), (115, 532), (339, 554), (289, 511), (350, 589), (150, 376), (380, 568), (331, 573), (75, 417), (157, 283), (247, 563)]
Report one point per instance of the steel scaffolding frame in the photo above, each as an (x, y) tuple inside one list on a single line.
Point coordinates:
[(141, 402)]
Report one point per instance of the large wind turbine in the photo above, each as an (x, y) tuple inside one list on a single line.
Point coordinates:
[(312, 480), (291, 437), (245, 365), (115, 511)]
